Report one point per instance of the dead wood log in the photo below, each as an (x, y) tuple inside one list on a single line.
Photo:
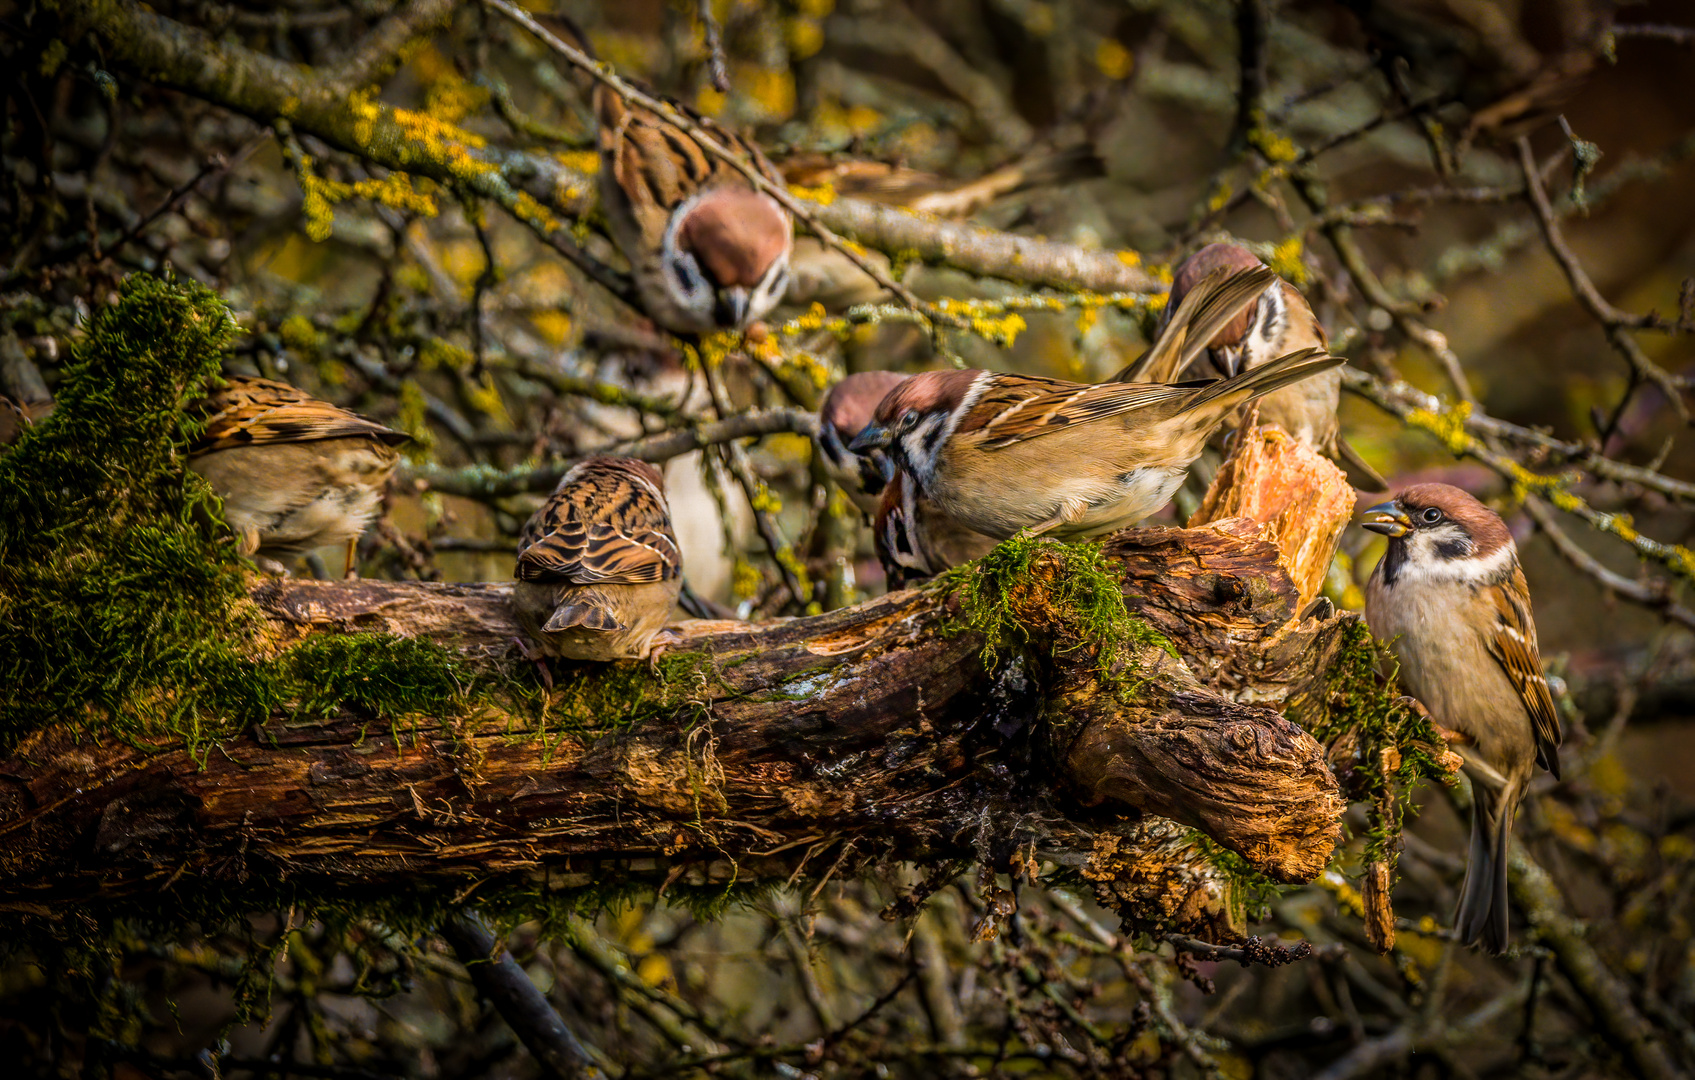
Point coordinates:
[(758, 751), (808, 747)]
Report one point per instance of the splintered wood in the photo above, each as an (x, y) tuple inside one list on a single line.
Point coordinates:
[(1297, 498)]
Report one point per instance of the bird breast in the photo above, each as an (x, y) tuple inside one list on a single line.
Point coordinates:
[(1445, 663)]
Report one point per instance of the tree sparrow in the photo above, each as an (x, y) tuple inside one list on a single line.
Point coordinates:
[(1253, 335), (707, 249), (1006, 454), (915, 540), (598, 565), (295, 473), (845, 411), (1451, 601)]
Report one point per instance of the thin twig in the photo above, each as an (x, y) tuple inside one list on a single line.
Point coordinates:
[(1616, 323)]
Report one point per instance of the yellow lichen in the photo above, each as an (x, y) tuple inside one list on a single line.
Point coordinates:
[(1113, 59)]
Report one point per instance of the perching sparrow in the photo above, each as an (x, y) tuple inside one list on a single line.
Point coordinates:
[(1279, 322), (1006, 454), (1451, 602), (598, 565), (845, 411), (915, 540), (17, 417), (707, 249), (295, 473)]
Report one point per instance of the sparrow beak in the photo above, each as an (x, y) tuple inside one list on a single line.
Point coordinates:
[(886, 466), (871, 438), (730, 306), (1391, 520)]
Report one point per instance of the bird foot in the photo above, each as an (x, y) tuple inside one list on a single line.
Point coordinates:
[(538, 658), (662, 642)]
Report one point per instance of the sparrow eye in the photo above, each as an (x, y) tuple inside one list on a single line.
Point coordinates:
[(908, 420), (1431, 515)]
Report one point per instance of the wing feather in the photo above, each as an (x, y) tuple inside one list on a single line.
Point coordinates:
[(1512, 641), (1021, 408), (603, 526), (254, 412)]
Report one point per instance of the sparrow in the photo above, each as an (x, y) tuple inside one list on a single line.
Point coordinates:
[(708, 250), (294, 473), (1005, 454), (1277, 322), (598, 565), (915, 540), (17, 417), (1451, 601), (845, 411)]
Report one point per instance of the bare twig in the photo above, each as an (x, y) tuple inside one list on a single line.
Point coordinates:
[(524, 1008), (480, 482), (1616, 323)]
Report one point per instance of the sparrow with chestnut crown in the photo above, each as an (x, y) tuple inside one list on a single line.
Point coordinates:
[(708, 250), (598, 564), (1005, 454), (844, 412), (1450, 600), (1279, 321), (915, 540), (294, 473)]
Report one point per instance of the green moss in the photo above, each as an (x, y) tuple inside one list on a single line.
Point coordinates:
[(1250, 892), (613, 697), (1361, 705), (1069, 586), (123, 605), (119, 595)]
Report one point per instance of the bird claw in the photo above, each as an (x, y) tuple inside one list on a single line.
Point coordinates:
[(662, 642), (536, 657), (1446, 734)]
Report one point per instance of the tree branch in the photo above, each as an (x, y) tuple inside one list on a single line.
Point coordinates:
[(754, 746)]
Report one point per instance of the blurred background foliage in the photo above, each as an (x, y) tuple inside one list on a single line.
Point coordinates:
[(1369, 150)]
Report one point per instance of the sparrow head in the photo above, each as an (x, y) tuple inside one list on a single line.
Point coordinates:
[(915, 419), (1255, 335), (726, 255), (845, 412), (1437, 531)]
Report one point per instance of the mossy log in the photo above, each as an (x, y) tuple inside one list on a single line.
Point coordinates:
[(749, 752)]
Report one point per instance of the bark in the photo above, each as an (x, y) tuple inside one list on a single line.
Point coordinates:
[(759, 751)]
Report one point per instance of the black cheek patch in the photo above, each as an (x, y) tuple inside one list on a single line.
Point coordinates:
[(1453, 549)]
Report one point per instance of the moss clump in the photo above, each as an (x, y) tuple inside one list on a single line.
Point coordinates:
[(119, 600), (123, 605), (1393, 745), (612, 697), (1250, 891), (1068, 586)]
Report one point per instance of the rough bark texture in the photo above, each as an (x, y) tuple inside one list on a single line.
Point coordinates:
[(762, 751), (811, 746)]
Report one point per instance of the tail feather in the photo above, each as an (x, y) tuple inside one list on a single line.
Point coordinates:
[(1226, 394), (1360, 473), (587, 616), (1202, 313), (1481, 918)]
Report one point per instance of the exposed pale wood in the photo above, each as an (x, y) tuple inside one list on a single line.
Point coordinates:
[(1299, 499)]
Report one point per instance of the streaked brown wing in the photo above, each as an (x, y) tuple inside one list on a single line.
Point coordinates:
[(1017, 408), (1513, 644), (254, 412), (603, 529), (1209, 307)]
